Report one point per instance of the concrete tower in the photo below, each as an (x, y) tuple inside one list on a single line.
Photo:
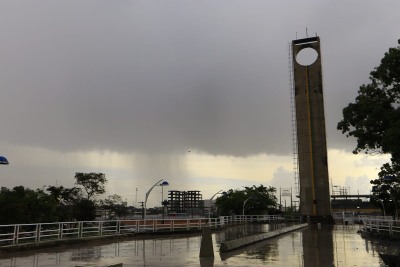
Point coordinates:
[(315, 203)]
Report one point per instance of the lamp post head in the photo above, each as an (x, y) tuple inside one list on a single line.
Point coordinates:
[(3, 160), (164, 183)]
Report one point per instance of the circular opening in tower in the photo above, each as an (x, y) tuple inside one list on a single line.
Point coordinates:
[(307, 56)]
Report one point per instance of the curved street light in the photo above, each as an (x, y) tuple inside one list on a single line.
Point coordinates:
[(387, 188), (383, 206), (209, 208), (147, 196), (392, 178), (244, 203)]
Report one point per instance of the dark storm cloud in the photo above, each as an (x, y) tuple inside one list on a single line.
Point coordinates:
[(173, 76)]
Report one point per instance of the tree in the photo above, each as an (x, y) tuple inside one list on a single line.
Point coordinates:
[(386, 189), (66, 198), (115, 205), (84, 210), (263, 200), (93, 183), (40, 206), (23, 205), (374, 119)]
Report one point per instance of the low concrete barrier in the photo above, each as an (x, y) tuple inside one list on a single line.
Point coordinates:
[(237, 243), (113, 265)]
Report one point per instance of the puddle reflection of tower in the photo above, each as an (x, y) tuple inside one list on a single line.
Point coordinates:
[(311, 135), (318, 247)]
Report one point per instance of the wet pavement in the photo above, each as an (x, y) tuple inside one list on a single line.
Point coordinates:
[(341, 246)]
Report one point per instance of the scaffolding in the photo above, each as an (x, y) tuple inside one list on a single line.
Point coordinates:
[(338, 190), (294, 125)]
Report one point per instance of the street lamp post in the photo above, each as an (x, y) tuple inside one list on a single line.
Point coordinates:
[(386, 187), (383, 206), (244, 203), (136, 198), (392, 178), (209, 208), (165, 183), (395, 206), (147, 196)]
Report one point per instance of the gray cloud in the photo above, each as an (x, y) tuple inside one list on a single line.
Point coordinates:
[(166, 77)]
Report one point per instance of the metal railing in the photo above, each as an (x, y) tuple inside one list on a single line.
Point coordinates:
[(16, 234)]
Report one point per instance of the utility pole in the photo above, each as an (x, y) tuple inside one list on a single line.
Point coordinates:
[(291, 199), (136, 197)]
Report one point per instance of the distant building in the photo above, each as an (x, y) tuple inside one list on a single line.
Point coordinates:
[(189, 202), (358, 204)]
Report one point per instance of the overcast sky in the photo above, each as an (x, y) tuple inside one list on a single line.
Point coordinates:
[(193, 92)]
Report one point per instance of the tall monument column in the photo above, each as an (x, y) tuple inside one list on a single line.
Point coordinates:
[(315, 203)]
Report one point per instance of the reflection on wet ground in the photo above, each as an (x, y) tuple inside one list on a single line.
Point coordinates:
[(341, 246)]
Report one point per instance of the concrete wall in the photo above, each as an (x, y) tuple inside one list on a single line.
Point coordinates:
[(244, 241)]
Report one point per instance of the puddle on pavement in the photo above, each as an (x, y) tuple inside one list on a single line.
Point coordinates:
[(341, 246)]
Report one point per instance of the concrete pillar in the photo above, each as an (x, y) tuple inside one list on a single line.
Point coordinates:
[(206, 248), (311, 135)]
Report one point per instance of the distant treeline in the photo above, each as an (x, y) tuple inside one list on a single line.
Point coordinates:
[(57, 203)]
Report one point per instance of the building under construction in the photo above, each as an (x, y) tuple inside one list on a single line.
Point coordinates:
[(312, 156), (184, 201)]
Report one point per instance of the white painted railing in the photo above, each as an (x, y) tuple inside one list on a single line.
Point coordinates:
[(34, 233), (256, 218), (381, 224), (363, 218)]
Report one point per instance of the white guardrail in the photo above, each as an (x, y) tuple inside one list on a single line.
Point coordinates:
[(381, 224), (15, 234)]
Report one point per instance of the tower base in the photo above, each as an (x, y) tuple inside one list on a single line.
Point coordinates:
[(317, 219)]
